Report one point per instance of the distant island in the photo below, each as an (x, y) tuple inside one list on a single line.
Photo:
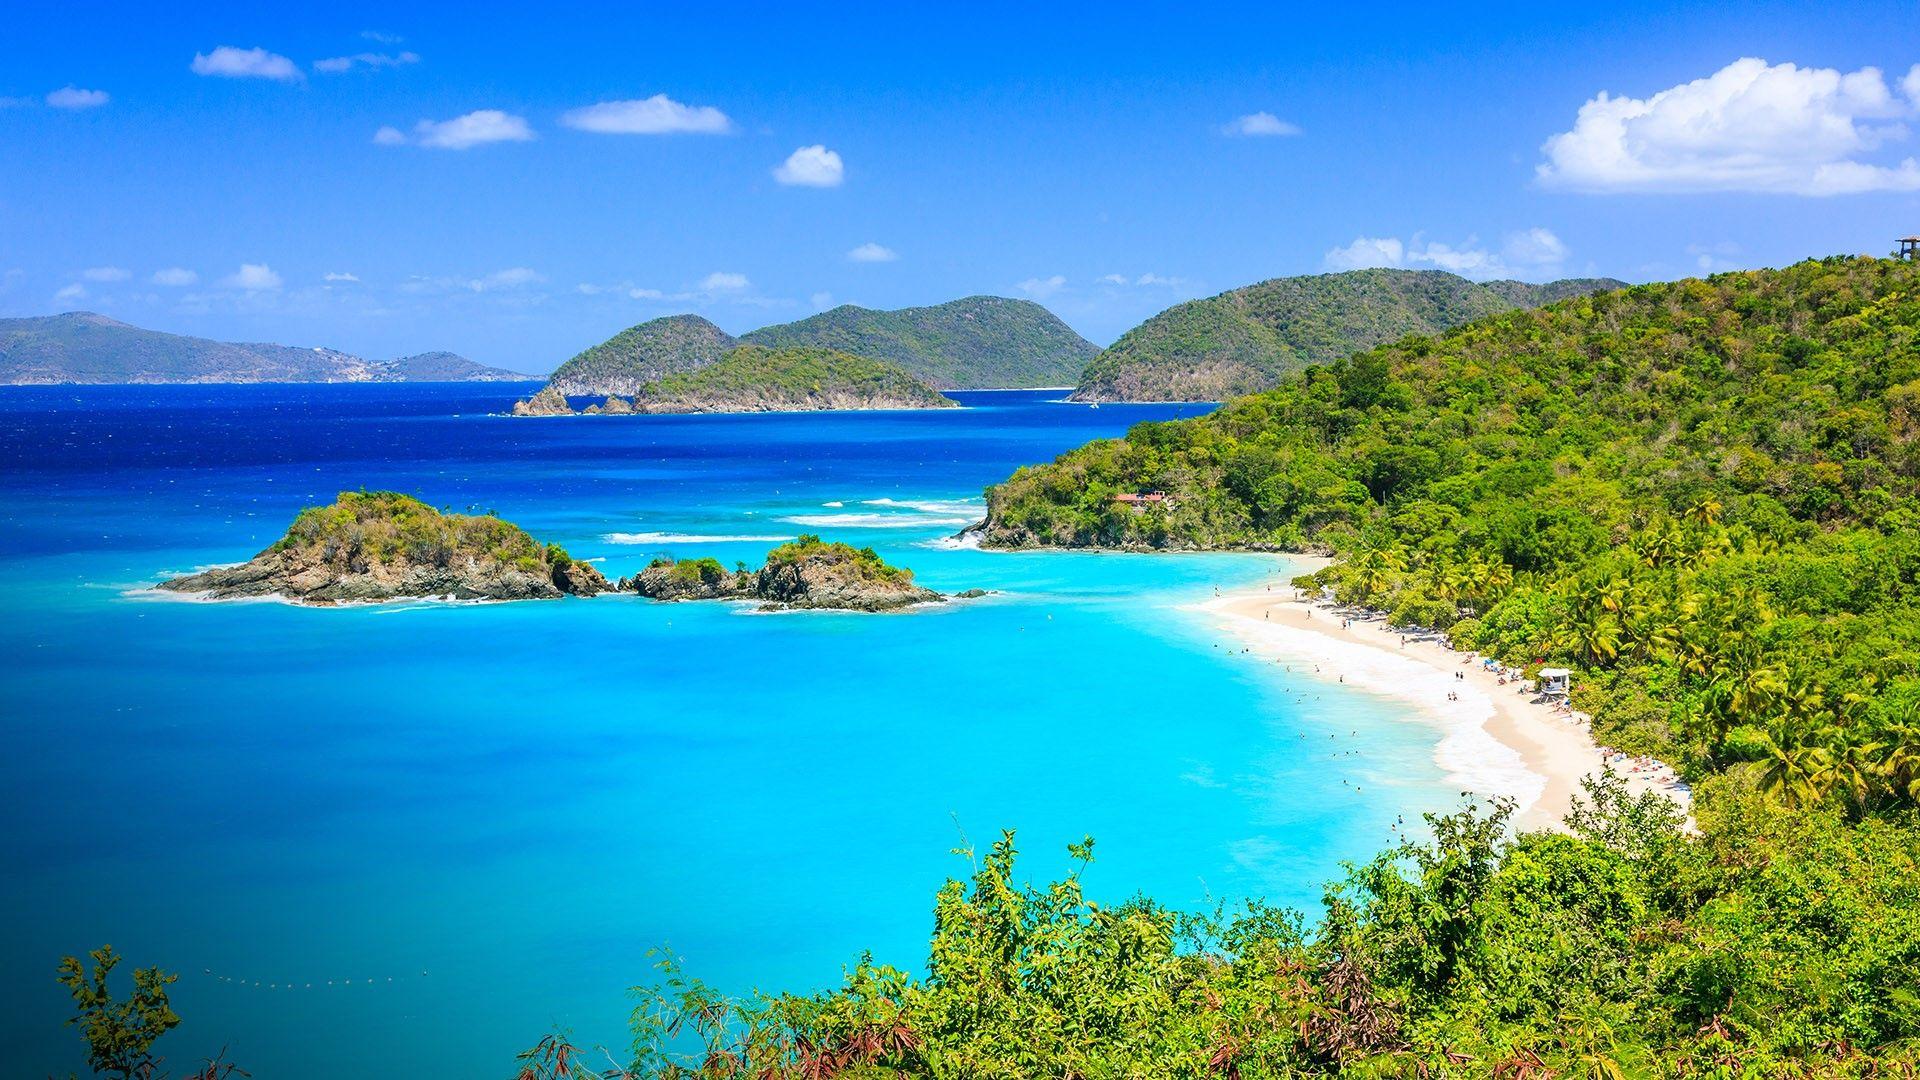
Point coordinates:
[(1246, 340), (755, 378), (378, 546), (974, 343), (82, 347)]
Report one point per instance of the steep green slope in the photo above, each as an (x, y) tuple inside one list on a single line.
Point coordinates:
[(755, 378), (974, 343), (1243, 341), (638, 355)]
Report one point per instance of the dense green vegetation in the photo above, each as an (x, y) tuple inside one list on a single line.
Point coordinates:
[(1776, 944), (641, 354), (755, 377), (976, 342), (81, 347), (865, 561), (371, 527), (1246, 340)]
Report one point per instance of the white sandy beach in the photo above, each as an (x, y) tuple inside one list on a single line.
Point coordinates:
[(1497, 738)]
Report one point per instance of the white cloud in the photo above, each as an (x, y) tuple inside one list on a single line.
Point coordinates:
[(334, 65), (175, 277), (340, 277), (461, 132), (1144, 280), (1751, 126), (252, 277), (873, 253), (382, 37), (722, 281), (646, 294), (1531, 252), (1041, 288), (657, 115), (229, 62), (104, 273), (822, 299), (811, 166), (1365, 252), (1259, 125), (510, 278), (72, 97), (75, 291)]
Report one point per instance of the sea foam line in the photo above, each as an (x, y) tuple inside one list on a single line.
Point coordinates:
[(874, 521), (688, 538)]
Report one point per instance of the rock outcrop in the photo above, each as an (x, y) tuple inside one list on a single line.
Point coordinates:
[(548, 402), (807, 573), (369, 547)]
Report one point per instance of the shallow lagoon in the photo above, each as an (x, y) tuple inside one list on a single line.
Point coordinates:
[(475, 820)]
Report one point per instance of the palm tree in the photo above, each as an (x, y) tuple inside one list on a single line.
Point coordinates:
[(1796, 775)]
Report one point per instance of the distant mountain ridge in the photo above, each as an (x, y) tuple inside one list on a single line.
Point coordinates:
[(1245, 340), (83, 347), (977, 342)]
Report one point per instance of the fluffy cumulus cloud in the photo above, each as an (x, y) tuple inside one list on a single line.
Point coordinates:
[(1041, 288), (1260, 125), (104, 274), (176, 277), (1751, 126), (252, 277), (872, 253), (229, 62), (335, 65), (722, 281), (811, 166), (460, 133), (657, 115), (1534, 252), (1145, 280), (338, 278), (74, 291), (72, 97)]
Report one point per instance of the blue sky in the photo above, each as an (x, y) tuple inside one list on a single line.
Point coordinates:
[(389, 181)]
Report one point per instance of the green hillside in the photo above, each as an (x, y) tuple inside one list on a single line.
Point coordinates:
[(755, 378), (1243, 341), (976, 343), (638, 355), (82, 347)]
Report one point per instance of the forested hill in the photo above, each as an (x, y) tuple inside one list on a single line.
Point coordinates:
[(641, 354), (979, 342), (1244, 341), (82, 347)]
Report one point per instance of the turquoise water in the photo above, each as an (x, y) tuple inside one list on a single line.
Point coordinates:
[(484, 816)]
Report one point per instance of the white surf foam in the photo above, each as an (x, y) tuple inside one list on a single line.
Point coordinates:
[(688, 538)]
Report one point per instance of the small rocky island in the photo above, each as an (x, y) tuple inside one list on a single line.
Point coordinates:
[(373, 546), (377, 546), (807, 572), (756, 378)]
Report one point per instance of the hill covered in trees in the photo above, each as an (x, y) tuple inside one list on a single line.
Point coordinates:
[(82, 347), (973, 343), (755, 378), (641, 354), (1245, 340)]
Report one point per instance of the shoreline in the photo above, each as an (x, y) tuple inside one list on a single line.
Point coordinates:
[(1497, 739)]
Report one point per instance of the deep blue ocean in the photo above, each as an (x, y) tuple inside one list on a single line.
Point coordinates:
[(409, 840)]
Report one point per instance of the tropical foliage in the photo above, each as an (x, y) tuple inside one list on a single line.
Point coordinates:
[(755, 377), (1246, 340)]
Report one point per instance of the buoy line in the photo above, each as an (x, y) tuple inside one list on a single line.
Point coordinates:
[(309, 984)]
